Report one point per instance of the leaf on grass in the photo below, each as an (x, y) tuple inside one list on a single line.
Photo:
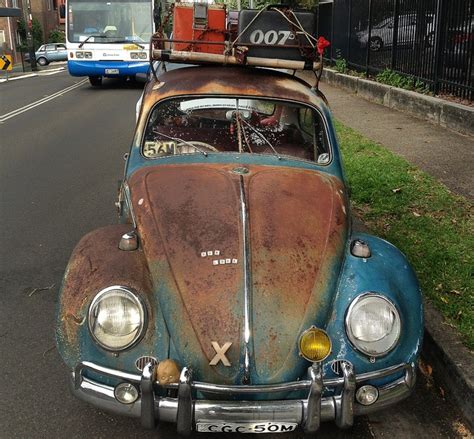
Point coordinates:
[(439, 287), (416, 214), (397, 190), (441, 390), (444, 300), (459, 314), (425, 369), (456, 292)]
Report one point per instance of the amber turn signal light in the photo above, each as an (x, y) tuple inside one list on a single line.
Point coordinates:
[(314, 344)]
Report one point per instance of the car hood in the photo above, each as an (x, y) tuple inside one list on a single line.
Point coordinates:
[(244, 255)]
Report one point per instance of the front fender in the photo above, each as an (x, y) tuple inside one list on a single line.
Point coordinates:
[(95, 264), (386, 272)]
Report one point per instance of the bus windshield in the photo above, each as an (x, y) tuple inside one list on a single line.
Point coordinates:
[(109, 21)]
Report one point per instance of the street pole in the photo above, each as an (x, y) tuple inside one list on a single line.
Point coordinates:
[(27, 17)]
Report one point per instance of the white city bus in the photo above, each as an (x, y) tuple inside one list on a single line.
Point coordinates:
[(108, 38)]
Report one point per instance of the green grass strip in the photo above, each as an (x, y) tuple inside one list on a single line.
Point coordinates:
[(418, 214)]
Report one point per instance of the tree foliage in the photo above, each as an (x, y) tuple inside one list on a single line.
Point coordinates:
[(36, 31), (57, 36)]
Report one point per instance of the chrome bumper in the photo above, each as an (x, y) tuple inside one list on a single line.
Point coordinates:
[(186, 411)]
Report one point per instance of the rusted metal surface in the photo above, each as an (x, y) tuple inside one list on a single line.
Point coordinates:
[(97, 263), (297, 226), (182, 213), (297, 231)]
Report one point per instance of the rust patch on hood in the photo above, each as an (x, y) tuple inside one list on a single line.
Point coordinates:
[(188, 221), (298, 227)]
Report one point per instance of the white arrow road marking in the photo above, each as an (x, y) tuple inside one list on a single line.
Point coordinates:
[(42, 101), (220, 354)]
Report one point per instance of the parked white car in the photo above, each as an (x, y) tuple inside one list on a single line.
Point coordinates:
[(382, 33)]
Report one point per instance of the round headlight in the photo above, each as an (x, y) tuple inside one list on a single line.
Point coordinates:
[(116, 318), (373, 324), (314, 344)]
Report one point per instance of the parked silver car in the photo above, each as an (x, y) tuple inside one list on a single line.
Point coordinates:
[(51, 52), (382, 33)]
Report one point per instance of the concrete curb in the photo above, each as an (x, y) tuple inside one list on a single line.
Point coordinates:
[(455, 117), (452, 363)]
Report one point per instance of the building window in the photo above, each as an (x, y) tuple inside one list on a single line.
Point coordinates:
[(2, 37), (14, 3), (50, 5)]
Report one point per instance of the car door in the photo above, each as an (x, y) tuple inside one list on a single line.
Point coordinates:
[(406, 29), (51, 52), (61, 52)]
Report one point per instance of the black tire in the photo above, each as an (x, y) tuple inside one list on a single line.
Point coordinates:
[(42, 61), (429, 40), (376, 44), (96, 81)]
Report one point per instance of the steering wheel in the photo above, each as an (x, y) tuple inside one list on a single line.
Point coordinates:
[(186, 148)]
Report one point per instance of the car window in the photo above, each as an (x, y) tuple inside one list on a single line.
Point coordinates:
[(257, 126), (61, 47), (50, 47), (41, 49)]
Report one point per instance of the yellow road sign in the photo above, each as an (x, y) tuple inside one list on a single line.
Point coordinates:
[(6, 62)]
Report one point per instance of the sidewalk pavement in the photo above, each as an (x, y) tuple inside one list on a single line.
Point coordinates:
[(445, 155), (449, 157)]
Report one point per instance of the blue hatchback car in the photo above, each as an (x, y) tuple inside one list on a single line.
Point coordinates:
[(50, 53)]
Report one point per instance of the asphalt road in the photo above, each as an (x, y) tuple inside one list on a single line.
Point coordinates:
[(60, 160)]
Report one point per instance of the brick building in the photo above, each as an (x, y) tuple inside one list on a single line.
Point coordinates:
[(45, 11)]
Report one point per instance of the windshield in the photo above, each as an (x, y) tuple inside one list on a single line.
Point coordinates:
[(109, 21), (258, 126)]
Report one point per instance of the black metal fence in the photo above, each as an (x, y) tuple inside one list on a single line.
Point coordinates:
[(430, 40)]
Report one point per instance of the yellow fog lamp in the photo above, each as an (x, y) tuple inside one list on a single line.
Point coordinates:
[(314, 344)]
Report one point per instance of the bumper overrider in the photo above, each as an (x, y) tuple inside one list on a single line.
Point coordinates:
[(189, 413)]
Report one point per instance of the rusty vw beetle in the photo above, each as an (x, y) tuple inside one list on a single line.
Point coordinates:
[(234, 295)]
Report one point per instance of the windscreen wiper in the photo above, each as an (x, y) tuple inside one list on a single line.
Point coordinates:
[(128, 41), (91, 36)]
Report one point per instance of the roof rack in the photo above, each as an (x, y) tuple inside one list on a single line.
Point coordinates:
[(274, 37)]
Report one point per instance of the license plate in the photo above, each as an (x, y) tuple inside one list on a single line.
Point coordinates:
[(112, 71), (245, 427)]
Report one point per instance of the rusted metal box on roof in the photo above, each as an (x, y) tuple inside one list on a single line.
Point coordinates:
[(197, 23), (271, 35)]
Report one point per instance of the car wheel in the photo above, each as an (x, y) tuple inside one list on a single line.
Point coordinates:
[(96, 81), (42, 61), (429, 40), (376, 44)]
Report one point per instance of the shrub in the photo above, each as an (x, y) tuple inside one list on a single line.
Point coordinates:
[(57, 36)]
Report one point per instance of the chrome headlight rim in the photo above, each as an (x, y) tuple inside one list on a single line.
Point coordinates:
[(351, 337), (136, 298)]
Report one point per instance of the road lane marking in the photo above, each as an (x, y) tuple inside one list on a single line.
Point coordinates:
[(48, 72), (51, 72), (28, 107), (14, 78)]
